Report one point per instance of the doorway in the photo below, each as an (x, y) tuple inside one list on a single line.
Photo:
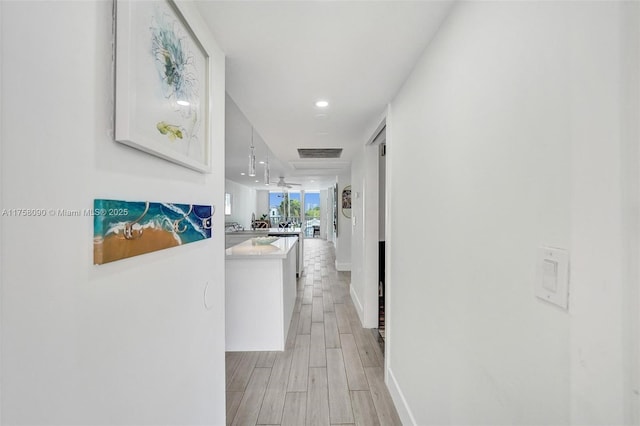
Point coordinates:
[(382, 207)]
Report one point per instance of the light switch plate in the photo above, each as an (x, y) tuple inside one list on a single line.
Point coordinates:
[(552, 282)]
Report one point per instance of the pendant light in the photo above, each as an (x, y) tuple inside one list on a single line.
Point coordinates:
[(252, 157), (266, 170)]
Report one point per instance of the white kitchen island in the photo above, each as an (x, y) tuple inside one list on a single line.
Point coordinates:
[(260, 293)]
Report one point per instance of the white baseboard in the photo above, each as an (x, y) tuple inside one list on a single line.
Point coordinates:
[(343, 266), (406, 416), (357, 304)]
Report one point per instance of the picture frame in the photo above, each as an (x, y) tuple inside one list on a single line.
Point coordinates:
[(346, 201), (163, 81), (335, 208)]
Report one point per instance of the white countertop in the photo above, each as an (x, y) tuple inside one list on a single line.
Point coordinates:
[(279, 249), (292, 231), (288, 231)]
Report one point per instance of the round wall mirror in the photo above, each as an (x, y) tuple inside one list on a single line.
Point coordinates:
[(346, 201)]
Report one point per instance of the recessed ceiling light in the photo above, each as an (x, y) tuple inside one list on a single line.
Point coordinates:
[(322, 104), (183, 103), (261, 162), (257, 181), (242, 173)]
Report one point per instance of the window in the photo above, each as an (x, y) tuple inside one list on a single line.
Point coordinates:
[(284, 207)]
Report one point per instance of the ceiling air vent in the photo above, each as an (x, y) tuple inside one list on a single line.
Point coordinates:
[(319, 152)]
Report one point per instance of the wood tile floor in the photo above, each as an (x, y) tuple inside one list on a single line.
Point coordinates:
[(332, 369)]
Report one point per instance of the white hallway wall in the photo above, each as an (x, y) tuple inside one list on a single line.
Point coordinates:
[(325, 214), (522, 121), (123, 343)]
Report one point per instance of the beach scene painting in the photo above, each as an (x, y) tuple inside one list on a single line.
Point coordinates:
[(123, 229)]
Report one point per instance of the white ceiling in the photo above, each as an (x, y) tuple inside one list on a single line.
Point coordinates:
[(282, 56)]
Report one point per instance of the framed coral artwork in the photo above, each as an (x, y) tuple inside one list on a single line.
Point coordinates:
[(162, 84)]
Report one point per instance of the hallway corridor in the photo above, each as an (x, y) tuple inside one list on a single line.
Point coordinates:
[(332, 369)]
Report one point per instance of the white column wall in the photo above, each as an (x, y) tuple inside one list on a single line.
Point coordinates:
[(262, 202), (2, 179), (364, 241)]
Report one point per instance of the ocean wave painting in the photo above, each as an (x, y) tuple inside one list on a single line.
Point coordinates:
[(123, 229), (179, 70), (163, 83)]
